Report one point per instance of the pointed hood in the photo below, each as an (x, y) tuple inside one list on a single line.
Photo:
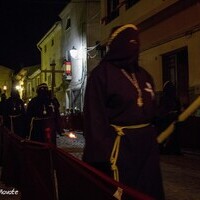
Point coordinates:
[(123, 47)]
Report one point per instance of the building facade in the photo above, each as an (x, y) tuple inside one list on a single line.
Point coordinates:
[(52, 68), (6, 80), (169, 34), (33, 79), (80, 35), (26, 82), (170, 37)]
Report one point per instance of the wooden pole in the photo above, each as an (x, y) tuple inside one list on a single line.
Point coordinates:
[(182, 117), (53, 64)]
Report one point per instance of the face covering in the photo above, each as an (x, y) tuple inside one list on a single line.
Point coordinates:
[(123, 47)]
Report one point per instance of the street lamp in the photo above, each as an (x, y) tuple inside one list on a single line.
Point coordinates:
[(4, 88), (74, 52), (68, 70)]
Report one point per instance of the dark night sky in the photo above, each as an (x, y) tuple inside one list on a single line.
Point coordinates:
[(23, 23)]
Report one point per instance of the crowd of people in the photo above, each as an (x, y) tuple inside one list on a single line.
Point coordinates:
[(40, 121)]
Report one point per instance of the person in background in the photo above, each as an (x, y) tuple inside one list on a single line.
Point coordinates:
[(169, 109), (42, 117), (15, 114), (119, 107), (56, 103)]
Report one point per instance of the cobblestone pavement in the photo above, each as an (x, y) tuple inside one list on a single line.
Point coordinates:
[(181, 176), (181, 173), (72, 145)]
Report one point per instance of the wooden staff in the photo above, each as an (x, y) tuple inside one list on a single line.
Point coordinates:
[(182, 117)]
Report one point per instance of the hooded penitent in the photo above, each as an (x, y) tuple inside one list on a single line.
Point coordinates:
[(42, 115), (42, 90), (15, 94), (123, 47), (15, 113), (120, 93)]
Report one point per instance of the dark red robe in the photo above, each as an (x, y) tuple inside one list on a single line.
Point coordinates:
[(43, 120), (15, 116), (111, 98)]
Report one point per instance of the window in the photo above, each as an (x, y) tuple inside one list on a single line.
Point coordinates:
[(29, 89), (45, 48), (49, 79), (45, 77), (175, 69), (68, 24), (112, 9), (38, 80), (52, 42), (130, 3)]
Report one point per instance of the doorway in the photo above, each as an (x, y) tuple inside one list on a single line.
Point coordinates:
[(175, 69)]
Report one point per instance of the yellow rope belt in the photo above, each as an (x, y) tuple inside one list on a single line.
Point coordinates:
[(115, 150)]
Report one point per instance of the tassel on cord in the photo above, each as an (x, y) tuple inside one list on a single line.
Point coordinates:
[(116, 146)]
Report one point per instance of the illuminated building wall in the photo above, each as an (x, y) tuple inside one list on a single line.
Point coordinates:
[(80, 30), (5, 80), (169, 32), (52, 63)]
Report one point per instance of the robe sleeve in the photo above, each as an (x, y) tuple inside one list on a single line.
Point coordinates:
[(96, 124)]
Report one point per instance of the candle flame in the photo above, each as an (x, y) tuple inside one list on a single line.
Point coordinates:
[(72, 135)]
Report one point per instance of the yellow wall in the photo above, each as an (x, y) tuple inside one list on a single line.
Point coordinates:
[(136, 14), (176, 31), (53, 53), (151, 58), (6, 79)]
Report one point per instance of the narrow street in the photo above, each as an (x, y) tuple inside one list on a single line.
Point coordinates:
[(181, 176), (181, 173)]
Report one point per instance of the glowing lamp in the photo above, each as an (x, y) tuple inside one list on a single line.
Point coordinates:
[(68, 70), (68, 67), (18, 87), (74, 52), (4, 87)]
